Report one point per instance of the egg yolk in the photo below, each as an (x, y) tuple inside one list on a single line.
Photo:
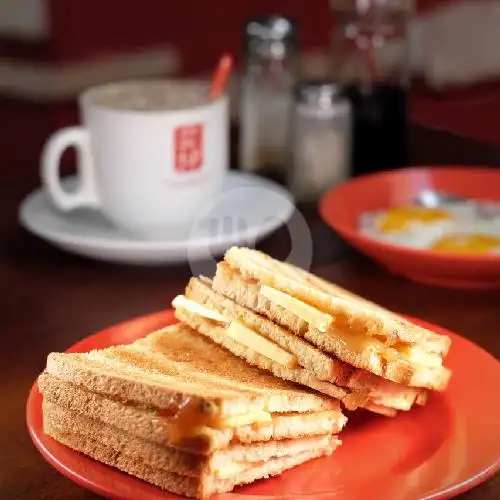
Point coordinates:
[(399, 218), (468, 243)]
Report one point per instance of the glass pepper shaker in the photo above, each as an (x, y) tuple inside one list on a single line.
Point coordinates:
[(319, 140), (370, 58), (266, 94)]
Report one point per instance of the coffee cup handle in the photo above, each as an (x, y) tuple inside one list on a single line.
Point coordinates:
[(86, 193)]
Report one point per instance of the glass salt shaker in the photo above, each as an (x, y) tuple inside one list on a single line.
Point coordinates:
[(319, 140), (266, 94)]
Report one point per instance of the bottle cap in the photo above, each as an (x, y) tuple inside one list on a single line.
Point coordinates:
[(318, 93), (363, 6), (272, 35)]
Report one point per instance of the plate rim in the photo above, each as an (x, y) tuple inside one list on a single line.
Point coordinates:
[(165, 318)]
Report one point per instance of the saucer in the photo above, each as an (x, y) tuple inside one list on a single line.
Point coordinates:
[(246, 210)]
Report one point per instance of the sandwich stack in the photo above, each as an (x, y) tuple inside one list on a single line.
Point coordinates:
[(252, 381), (180, 412), (301, 328)]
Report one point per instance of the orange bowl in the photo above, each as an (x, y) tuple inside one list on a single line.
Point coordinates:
[(342, 206)]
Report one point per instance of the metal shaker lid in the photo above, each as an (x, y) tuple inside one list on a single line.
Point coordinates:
[(273, 27), (273, 35), (317, 93), (363, 6)]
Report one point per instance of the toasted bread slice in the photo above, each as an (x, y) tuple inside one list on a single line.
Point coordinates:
[(147, 423), (175, 366), (324, 367), (223, 463), (298, 375), (177, 471), (195, 487), (187, 378), (350, 310), (359, 387), (338, 322)]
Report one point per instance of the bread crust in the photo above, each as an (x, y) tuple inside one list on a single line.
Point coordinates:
[(297, 375), (246, 292), (156, 464), (148, 423), (175, 366), (359, 313), (223, 463), (359, 387)]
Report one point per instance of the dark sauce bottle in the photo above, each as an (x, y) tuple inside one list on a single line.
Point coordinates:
[(370, 60), (380, 130)]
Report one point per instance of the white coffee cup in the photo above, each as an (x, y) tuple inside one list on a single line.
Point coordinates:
[(150, 154)]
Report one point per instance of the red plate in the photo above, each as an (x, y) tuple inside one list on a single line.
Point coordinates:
[(437, 451), (342, 206)]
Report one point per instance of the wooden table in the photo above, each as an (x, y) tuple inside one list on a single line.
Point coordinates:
[(50, 299)]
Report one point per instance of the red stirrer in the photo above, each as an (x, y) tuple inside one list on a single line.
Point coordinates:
[(221, 75)]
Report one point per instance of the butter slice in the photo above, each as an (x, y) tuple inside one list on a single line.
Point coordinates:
[(307, 313), (355, 342), (252, 417), (190, 305), (417, 355), (260, 344)]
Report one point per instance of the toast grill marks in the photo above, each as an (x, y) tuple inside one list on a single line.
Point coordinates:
[(246, 291), (167, 369), (105, 404), (188, 379), (326, 368), (149, 424), (368, 390), (350, 310), (298, 375)]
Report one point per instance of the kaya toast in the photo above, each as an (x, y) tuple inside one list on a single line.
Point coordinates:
[(338, 322), (149, 423), (225, 464), (264, 344), (178, 382)]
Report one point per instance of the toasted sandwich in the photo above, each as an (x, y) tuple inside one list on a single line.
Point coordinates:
[(264, 344), (179, 411), (338, 322)]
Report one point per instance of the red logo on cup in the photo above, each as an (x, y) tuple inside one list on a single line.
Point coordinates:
[(188, 147)]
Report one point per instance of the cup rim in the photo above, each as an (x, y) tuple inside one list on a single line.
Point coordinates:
[(85, 96)]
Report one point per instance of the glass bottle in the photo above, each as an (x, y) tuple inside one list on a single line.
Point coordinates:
[(266, 94), (320, 140), (371, 60)]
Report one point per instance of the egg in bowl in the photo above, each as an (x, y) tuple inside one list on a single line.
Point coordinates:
[(453, 227)]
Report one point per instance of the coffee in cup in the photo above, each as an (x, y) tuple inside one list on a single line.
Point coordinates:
[(150, 154)]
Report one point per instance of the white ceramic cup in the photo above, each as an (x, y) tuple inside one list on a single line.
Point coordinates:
[(150, 154)]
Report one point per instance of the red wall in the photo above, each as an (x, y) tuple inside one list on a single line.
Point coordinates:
[(201, 29)]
